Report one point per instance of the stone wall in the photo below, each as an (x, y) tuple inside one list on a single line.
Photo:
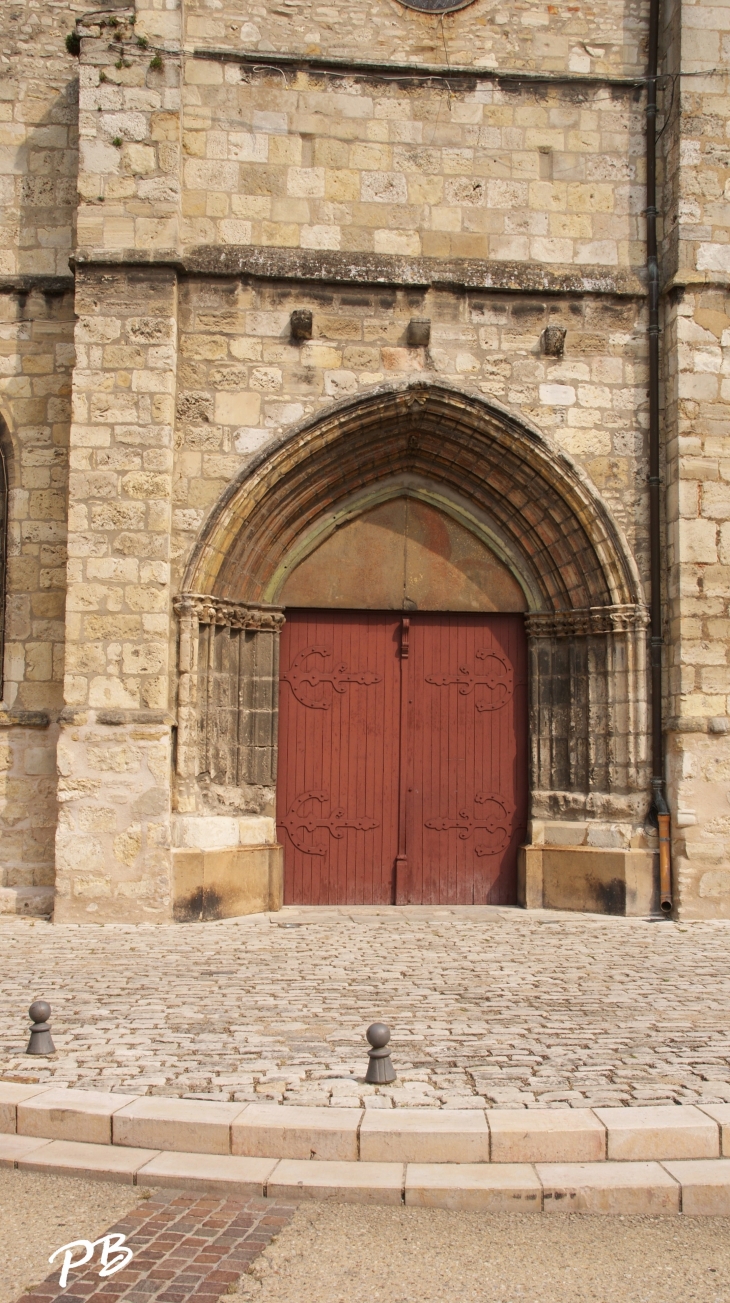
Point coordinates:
[(696, 268), (38, 163), (243, 381), (113, 842), (219, 193), (543, 173), (604, 37), (38, 137)]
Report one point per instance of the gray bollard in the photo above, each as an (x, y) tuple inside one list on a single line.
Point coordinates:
[(380, 1068), (40, 1041)]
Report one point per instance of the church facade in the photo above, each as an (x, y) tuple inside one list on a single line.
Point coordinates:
[(364, 417)]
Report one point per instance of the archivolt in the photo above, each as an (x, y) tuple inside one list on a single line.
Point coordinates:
[(535, 495)]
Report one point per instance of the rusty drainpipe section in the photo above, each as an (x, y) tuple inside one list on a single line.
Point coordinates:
[(659, 807)]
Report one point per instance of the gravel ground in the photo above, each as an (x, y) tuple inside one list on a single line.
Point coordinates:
[(345, 1254), (487, 1006), (39, 1213)]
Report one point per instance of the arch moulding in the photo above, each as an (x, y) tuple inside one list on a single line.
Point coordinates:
[(586, 620)]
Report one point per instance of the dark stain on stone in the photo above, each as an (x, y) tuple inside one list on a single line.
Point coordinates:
[(611, 896), (189, 909), (212, 904)]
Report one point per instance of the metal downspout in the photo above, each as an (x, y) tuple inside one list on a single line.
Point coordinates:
[(659, 804)]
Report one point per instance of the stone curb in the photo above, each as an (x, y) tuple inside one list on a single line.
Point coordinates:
[(679, 1133), (696, 1187)]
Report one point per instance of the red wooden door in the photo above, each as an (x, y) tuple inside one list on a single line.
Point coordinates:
[(337, 787), (402, 757), (466, 812)]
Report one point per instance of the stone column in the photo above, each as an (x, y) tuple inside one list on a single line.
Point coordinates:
[(113, 860)]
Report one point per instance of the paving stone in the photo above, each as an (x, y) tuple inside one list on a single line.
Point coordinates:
[(509, 1187), (71, 1115), (624, 1188), (548, 1136), (415, 1136), (705, 1185), (186, 1246), (370, 1183), (521, 1009), (268, 1130), (657, 1133), (105, 1162)]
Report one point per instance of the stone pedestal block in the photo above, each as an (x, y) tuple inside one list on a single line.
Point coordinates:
[(590, 879), (209, 884)]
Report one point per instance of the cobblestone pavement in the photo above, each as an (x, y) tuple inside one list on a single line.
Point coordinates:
[(185, 1246), (487, 1006)]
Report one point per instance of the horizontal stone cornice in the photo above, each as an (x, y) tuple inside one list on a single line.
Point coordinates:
[(413, 72), (260, 263), (31, 283)]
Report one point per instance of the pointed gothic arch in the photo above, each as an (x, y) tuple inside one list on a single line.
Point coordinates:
[(586, 619), (552, 521)]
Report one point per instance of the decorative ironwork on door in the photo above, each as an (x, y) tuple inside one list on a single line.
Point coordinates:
[(495, 819), (404, 778), (499, 678), (296, 821), (300, 675)]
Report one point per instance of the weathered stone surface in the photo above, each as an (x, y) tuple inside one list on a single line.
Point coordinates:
[(214, 176)]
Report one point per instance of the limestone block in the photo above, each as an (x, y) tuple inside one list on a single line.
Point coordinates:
[(205, 832), (720, 1113), (546, 1136), (529, 877), (190, 1126), (600, 881), (424, 1136), (256, 830), (505, 1188), (33, 901), (11, 1094), (227, 883), (13, 1148), (84, 1115), (705, 1186), (297, 1132), (212, 1173), (95, 1162), (558, 832), (364, 1183), (628, 1189), (637, 1134)]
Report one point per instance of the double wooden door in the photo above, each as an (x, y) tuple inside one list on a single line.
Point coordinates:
[(402, 757)]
